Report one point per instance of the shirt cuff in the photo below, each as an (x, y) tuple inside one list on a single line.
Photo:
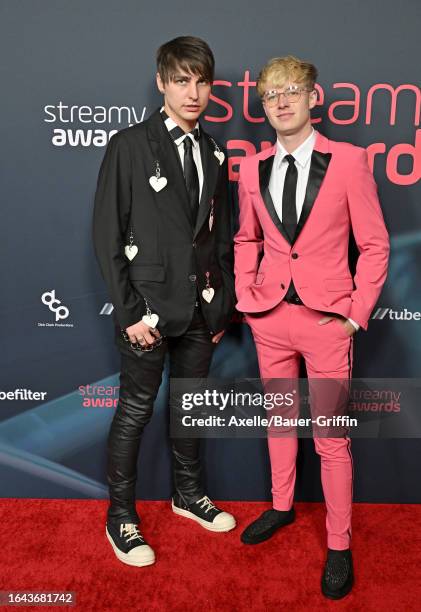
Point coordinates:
[(357, 327)]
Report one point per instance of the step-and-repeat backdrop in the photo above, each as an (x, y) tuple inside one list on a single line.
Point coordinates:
[(72, 74)]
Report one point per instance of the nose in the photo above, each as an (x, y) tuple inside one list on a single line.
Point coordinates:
[(282, 102), (193, 90)]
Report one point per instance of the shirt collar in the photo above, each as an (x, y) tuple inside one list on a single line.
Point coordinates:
[(302, 153), (176, 132)]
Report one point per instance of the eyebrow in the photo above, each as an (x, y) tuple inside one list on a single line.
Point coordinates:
[(188, 76), (285, 87)]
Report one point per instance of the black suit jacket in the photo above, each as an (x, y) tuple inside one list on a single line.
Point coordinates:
[(173, 255)]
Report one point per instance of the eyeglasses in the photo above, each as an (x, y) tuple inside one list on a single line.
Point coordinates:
[(146, 348), (291, 95)]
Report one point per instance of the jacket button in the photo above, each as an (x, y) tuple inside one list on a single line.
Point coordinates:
[(194, 245), (282, 286), (192, 277), (294, 256)]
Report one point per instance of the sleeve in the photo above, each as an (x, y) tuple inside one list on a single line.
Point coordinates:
[(371, 237), (110, 224), (224, 242), (248, 241)]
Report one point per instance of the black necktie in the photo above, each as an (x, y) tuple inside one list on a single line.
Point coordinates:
[(289, 208), (191, 176)]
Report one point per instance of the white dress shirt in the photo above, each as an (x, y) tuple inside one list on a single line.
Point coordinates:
[(280, 166), (302, 155)]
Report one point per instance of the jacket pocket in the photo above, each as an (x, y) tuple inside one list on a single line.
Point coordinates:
[(150, 272), (339, 284)]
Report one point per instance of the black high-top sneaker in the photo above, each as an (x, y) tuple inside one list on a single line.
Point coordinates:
[(204, 512), (129, 545)]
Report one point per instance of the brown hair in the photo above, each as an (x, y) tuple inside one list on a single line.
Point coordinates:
[(187, 53), (278, 70)]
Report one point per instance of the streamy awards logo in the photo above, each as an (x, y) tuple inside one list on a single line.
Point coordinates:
[(383, 104), (95, 123)]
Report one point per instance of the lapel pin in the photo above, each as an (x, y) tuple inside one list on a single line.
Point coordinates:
[(131, 250), (157, 182), (151, 319), (208, 292), (218, 153), (211, 216), (219, 156)]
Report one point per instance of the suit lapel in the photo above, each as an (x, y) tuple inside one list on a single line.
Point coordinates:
[(265, 170), (319, 164), (318, 168), (210, 167), (166, 154)]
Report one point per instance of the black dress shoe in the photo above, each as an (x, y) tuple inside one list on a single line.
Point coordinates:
[(265, 526), (338, 575)]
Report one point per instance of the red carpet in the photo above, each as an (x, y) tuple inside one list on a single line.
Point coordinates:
[(60, 545)]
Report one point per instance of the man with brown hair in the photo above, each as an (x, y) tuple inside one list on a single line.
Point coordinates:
[(162, 234), (299, 201)]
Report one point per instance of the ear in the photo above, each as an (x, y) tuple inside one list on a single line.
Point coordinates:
[(160, 83), (312, 99)]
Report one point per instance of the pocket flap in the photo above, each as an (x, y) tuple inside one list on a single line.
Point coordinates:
[(147, 272), (339, 284)]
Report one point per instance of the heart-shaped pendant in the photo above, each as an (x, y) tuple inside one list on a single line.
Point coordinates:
[(219, 156), (158, 183), (130, 251), (150, 320), (208, 294)]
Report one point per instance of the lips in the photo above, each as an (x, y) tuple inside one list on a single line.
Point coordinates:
[(285, 116), (191, 108)]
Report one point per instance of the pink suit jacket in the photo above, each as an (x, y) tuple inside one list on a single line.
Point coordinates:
[(341, 195)]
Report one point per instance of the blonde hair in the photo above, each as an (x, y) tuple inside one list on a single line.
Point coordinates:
[(279, 70)]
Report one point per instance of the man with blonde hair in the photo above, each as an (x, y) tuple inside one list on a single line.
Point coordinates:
[(299, 201)]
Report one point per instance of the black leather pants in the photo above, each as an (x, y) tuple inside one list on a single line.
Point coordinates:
[(140, 378)]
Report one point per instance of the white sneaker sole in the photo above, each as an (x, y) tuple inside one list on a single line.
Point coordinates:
[(227, 525), (149, 556)]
